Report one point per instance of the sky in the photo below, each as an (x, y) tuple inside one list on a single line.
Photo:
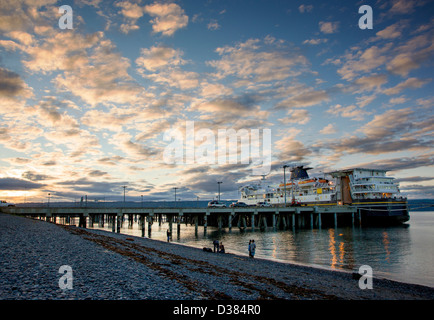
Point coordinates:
[(87, 110)]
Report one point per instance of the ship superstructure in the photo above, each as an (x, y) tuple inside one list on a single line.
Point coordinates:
[(370, 190), (299, 189)]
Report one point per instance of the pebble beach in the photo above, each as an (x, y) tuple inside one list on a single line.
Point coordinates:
[(110, 266)]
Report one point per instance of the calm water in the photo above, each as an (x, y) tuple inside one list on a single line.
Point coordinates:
[(403, 253)]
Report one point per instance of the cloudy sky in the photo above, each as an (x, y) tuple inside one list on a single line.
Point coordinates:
[(83, 111)]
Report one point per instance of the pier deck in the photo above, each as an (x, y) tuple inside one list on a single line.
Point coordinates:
[(260, 217)]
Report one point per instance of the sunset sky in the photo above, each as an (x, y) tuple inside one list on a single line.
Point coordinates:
[(83, 111)]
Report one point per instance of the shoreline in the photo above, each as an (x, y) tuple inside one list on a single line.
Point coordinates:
[(346, 273), (109, 266), (377, 274)]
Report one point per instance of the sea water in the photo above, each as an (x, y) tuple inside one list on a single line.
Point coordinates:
[(404, 253)]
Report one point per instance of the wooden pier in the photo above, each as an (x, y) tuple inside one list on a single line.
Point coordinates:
[(243, 217)]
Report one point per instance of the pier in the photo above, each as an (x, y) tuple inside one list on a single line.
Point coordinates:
[(241, 217)]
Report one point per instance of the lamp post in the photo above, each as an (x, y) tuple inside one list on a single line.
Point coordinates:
[(219, 182), (142, 200), (284, 180), (124, 192), (49, 194), (175, 194)]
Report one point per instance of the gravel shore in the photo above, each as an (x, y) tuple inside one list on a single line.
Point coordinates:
[(120, 267)]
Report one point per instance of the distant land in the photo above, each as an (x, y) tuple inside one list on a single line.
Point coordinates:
[(414, 205)]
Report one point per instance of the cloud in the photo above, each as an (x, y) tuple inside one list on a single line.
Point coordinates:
[(25, 15), (298, 116), (305, 8), (17, 135), (61, 51), (409, 83), (315, 41), (391, 32), (10, 184), (392, 131), (12, 86), (212, 90), (364, 61), (259, 61), (351, 111), (398, 100), (175, 77), (399, 58), (112, 120), (34, 176), (404, 6), (89, 66), (328, 27), (169, 17), (242, 111), (306, 98), (54, 113), (414, 179), (213, 25), (158, 57), (288, 149), (368, 83), (84, 185), (103, 79), (134, 150), (131, 12), (162, 65), (328, 129), (401, 163)]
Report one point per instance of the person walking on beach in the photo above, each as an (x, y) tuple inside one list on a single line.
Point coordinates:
[(252, 248)]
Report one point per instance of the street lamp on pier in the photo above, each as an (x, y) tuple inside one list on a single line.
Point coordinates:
[(219, 183), (284, 180), (175, 188), (124, 192)]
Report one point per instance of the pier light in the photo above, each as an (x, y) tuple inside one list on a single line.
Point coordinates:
[(284, 180), (219, 183), (175, 188), (124, 192)]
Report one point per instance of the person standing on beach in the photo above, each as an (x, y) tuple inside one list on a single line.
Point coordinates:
[(222, 248), (252, 249), (216, 246), (168, 235)]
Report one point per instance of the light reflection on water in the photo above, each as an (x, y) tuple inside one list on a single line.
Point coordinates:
[(403, 253)]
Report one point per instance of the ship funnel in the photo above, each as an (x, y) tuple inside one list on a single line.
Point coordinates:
[(299, 172)]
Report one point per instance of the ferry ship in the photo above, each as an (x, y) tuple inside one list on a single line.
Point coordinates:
[(375, 195)]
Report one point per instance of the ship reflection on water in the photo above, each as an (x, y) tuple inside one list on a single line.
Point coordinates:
[(390, 251)]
